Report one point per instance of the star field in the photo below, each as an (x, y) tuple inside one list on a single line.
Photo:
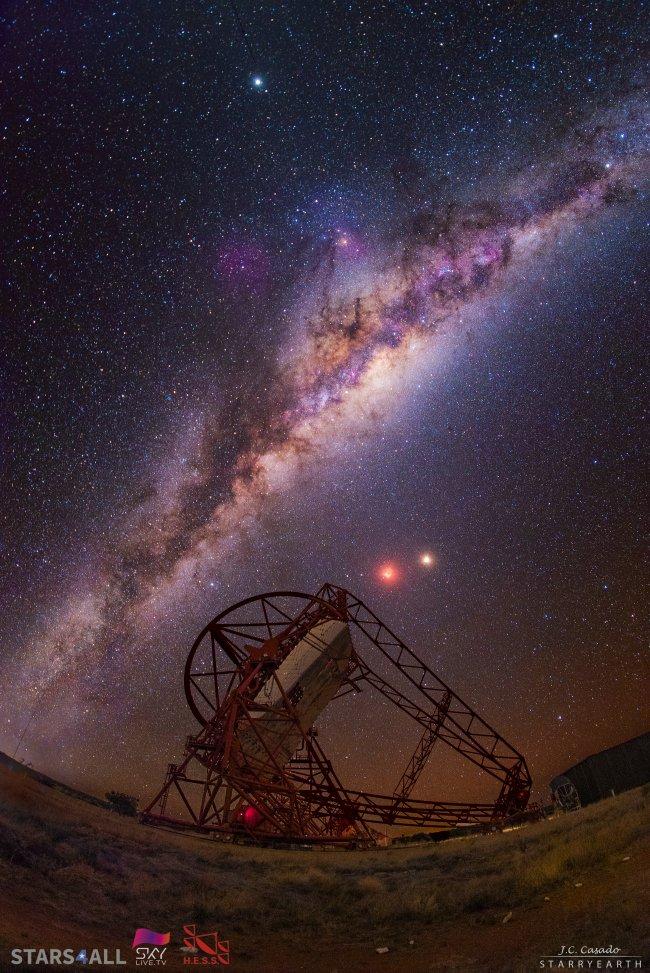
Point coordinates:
[(301, 293)]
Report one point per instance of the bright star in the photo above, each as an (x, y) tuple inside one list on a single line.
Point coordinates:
[(427, 560), (257, 81)]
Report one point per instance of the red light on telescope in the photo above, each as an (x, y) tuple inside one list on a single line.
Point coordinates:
[(252, 817)]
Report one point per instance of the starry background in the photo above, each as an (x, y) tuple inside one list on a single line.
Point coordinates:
[(176, 178)]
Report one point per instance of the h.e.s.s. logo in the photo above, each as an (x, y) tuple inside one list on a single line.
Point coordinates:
[(205, 948)]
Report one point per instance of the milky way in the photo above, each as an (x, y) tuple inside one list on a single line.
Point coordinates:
[(366, 317)]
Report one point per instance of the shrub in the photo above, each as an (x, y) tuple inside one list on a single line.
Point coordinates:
[(122, 803)]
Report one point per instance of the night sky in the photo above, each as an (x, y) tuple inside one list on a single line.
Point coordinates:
[(299, 291)]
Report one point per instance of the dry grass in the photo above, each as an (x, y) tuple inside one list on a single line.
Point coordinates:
[(108, 874)]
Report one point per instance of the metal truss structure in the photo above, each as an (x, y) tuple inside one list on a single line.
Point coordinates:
[(233, 781)]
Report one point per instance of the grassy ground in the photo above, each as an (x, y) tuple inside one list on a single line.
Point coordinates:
[(72, 874)]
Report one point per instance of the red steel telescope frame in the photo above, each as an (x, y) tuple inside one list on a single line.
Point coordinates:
[(217, 791)]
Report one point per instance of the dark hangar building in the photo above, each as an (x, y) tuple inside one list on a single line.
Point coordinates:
[(604, 774)]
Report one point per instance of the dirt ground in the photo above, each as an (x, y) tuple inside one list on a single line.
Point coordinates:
[(74, 875)]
